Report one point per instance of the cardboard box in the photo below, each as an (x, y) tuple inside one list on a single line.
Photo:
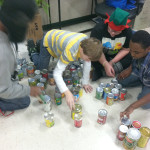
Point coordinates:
[(35, 30)]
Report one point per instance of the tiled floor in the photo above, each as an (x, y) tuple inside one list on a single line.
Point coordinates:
[(26, 130)]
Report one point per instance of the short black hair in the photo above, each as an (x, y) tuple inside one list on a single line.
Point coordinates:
[(141, 37)]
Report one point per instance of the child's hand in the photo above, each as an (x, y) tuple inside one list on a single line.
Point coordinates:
[(127, 112), (88, 88), (35, 91), (70, 99), (109, 70), (125, 73)]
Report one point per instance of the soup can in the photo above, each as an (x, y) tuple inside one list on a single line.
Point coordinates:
[(77, 120), (106, 91), (99, 93), (126, 121), (145, 135), (58, 98), (136, 124), (77, 110), (44, 73), (122, 132), (102, 115), (123, 93), (76, 96), (110, 99), (114, 81), (131, 138), (43, 80), (32, 82), (115, 91), (118, 86), (41, 86), (30, 69)]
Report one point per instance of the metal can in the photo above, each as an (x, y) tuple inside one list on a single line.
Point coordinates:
[(38, 77), (80, 74), (99, 93), (30, 69), (74, 73), (130, 140), (76, 81), (79, 89), (37, 72), (32, 82), (51, 78), (41, 86), (105, 93), (145, 135), (24, 69), (47, 103), (118, 86), (123, 93), (77, 110), (103, 85), (77, 120), (43, 80), (20, 72), (110, 99), (49, 119), (76, 95), (115, 91), (102, 115), (44, 73), (126, 121), (122, 132), (58, 98), (114, 81), (136, 124), (72, 67), (68, 79)]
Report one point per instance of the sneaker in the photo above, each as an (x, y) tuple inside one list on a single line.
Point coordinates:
[(31, 47), (37, 46)]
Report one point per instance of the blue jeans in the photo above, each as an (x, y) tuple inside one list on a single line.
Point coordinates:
[(133, 81), (41, 61), (14, 104)]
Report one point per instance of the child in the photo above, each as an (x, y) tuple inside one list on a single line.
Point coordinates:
[(139, 72), (115, 35), (67, 47)]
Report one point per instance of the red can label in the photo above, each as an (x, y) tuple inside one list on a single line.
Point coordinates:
[(78, 123), (45, 75), (122, 96), (101, 120)]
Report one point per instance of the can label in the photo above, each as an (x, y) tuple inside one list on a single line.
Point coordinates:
[(49, 123), (99, 95), (58, 101), (81, 92), (109, 101), (101, 119), (122, 96), (78, 123), (121, 135), (129, 143), (76, 96), (73, 113)]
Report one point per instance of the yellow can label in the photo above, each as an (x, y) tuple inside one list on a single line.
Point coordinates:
[(49, 123), (73, 113), (81, 92)]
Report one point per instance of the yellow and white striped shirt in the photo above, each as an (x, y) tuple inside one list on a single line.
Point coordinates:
[(64, 44)]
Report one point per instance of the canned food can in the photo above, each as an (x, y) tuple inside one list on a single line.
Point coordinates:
[(24, 69), (32, 82), (72, 67), (145, 135), (118, 86), (20, 72), (44, 73), (126, 121), (110, 99), (103, 85), (37, 72), (58, 99), (122, 132), (49, 119), (43, 80), (38, 77), (77, 120), (76, 81), (81, 92), (102, 115), (123, 93), (105, 93), (41, 86), (114, 81), (136, 124), (79, 72), (51, 78), (99, 93), (77, 110), (115, 91), (47, 103), (76, 96), (131, 138)]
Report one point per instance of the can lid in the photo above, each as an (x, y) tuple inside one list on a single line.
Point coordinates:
[(123, 90), (44, 71), (118, 86), (145, 131), (78, 117), (99, 89), (47, 98), (103, 85), (123, 128), (136, 124), (31, 80), (40, 84), (43, 79), (102, 112), (133, 133), (110, 95), (115, 91), (78, 108), (107, 90), (126, 121), (37, 72)]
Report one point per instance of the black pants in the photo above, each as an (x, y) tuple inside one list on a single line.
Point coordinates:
[(124, 63)]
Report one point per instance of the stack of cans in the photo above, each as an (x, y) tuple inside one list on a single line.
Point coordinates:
[(111, 92)]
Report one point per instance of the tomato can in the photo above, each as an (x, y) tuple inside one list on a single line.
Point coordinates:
[(145, 135), (115, 91), (77, 110), (123, 93), (77, 120), (99, 93), (122, 132), (102, 115), (136, 124), (110, 99), (105, 93), (131, 138)]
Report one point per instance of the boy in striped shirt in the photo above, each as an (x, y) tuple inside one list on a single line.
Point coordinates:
[(67, 47)]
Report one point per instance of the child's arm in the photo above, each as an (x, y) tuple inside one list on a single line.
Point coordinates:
[(86, 76), (143, 101), (60, 67), (123, 52)]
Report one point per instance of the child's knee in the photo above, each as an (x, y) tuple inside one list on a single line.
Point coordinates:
[(25, 102)]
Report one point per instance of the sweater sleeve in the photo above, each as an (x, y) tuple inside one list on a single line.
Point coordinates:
[(60, 67)]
